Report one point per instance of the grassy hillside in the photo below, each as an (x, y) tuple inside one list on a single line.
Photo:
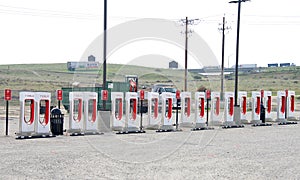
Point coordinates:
[(49, 77)]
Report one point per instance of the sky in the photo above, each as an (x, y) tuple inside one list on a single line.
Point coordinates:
[(57, 31)]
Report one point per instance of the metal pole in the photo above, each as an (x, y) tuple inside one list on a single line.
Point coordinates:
[(207, 115), (237, 54), (104, 51), (6, 126), (186, 54), (141, 110), (177, 104), (223, 53)]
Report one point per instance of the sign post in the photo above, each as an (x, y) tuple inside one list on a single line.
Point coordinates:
[(59, 96), (142, 96), (177, 104), (207, 104), (7, 97)]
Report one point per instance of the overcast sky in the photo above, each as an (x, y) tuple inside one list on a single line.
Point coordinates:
[(57, 31)]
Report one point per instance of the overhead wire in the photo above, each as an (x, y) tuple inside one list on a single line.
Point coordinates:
[(212, 19)]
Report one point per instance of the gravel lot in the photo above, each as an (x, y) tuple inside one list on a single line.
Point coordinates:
[(247, 153)]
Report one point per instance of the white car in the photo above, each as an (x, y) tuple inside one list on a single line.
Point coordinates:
[(161, 89)]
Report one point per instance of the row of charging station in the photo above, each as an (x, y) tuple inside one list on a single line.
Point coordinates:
[(35, 114), (83, 113), (34, 120), (160, 115), (163, 120), (285, 106)]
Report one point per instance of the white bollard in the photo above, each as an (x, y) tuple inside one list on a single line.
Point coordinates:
[(228, 108), (242, 99), (90, 125), (200, 118), (76, 113), (215, 108), (131, 122), (167, 115), (186, 98), (27, 114), (117, 120), (256, 101), (42, 123), (290, 113), (281, 105), (153, 115)]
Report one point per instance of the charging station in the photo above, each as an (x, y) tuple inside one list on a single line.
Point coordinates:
[(76, 116), (200, 115), (281, 103), (267, 102), (186, 98), (256, 101), (290, 112), (167, 115), (153, 115), (242, 99), (90, 101), (228, 109), (117, 120), (132, 124), (215, 108), (42, 123), (27, 114)]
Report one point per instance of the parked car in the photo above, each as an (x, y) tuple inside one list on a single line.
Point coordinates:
[(170, 89)]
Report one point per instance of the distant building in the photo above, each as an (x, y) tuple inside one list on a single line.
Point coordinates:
[(285, 64), (82, 65), (173, 65), (91, 58), (273, 65), (248, 66)]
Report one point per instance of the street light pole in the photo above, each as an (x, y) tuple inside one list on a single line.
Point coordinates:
[(104, 51), (223, 52), (237, 110), (186, 54)]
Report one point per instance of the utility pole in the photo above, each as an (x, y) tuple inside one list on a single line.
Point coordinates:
[(187, 22), (104, 51), (223, 54)]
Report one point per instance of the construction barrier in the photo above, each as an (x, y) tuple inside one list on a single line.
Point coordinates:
[(267, 103), (90, 100), (76, 113), (153, 115), (228, 108), (131, 122), (27, 114), (167, 115), (42, 123), (200, 115), (256, 101), (242, 98), (281, 105), (215, 108), (290, 103), (186, 98), (117, 120)]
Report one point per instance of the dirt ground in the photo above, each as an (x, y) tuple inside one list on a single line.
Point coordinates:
[(245, 153)]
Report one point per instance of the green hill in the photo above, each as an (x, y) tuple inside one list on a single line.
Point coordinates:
[(49, 77)]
